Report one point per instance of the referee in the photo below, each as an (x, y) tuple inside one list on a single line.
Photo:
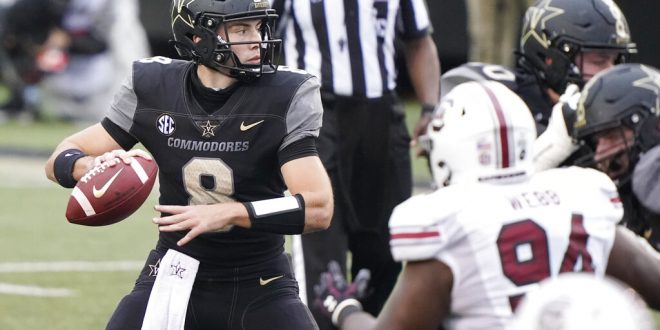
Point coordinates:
[(364, 142)]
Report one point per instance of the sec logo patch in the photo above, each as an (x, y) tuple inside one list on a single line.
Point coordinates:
[(166, 125)]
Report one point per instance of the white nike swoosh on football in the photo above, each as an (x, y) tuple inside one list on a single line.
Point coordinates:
[(98, 193)]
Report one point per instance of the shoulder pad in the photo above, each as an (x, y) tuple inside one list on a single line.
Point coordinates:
[(284, 68), (590, 189), (421, 226)]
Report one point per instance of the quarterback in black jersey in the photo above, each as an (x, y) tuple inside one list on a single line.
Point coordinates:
[(230, 134)]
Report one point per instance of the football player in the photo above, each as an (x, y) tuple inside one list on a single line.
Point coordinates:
[(562, 42), (230, 133), (496, 229), (618, 119)]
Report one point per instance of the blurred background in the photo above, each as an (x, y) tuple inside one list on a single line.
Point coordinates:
[(54, 275), (99, 38), (449, 19)]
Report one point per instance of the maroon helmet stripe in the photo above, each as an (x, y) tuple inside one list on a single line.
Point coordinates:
[(504, 140)]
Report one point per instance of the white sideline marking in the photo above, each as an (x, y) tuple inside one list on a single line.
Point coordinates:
[(70, 266), (35, 291)]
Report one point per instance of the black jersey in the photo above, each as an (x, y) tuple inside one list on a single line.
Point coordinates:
[(231, 154)]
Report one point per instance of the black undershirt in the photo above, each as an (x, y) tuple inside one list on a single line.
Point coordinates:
[(208, 98)]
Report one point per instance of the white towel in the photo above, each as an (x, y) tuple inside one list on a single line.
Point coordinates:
[(169, 297)]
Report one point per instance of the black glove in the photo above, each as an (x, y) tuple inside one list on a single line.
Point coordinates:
[(335, 298)]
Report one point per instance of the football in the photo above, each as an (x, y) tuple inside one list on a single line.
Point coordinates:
[(108, 194)]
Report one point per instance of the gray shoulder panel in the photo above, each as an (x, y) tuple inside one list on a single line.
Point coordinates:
[(305, 113), (123, 106)]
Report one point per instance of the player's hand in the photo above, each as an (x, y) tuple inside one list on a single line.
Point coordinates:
[(571, 95), (420, 130), (334, 294), (198, 219), (115, 156), (556, 144)]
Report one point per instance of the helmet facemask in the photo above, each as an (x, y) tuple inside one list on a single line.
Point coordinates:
[(618, 158), (619, 108), (223, 59), (208, 42)]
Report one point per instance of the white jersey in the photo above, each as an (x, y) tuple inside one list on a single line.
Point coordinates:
[(501, 240)]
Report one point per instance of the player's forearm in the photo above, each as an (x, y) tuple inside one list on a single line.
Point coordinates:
[(358, 321), (289, 215), (319, 208), (307, 177), (92, 141), (424, 69), (80, 167), (633, 261)]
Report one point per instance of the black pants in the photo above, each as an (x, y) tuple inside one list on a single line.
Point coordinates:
[(364, 145), (238, 301)]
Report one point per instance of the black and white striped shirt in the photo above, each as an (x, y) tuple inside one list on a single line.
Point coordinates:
[(349, 44)]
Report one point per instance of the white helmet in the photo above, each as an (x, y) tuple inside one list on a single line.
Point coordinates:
[(582, 301), (481, 132)]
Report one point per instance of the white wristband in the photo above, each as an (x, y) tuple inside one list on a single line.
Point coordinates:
[(343, 304)]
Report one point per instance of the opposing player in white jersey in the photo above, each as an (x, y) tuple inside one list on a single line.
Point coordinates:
[(476, 246)]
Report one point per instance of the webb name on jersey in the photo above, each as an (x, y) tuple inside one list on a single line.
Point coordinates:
[(500, 240)]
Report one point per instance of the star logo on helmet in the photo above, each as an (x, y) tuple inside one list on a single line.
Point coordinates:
[(178, 6), (539, 15), (622, 33), (652, 83)]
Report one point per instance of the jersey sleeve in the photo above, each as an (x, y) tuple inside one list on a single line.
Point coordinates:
[(413, 20), (123, 106), (646, 178), (422, 226), (602, 196), (305, 113), (119, 118)]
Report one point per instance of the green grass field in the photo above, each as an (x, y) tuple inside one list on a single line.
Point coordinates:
[(55, 275), (39, 249)]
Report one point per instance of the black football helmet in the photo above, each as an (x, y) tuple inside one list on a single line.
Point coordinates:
[(203, 18), (626, 95), (555, 31)]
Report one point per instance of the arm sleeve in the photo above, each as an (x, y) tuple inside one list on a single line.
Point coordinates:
[(123, 138), (305, 114), (413, 22), (301, 148), (423, 226)]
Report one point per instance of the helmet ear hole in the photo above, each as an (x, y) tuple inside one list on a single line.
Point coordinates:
[(649, 133)]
